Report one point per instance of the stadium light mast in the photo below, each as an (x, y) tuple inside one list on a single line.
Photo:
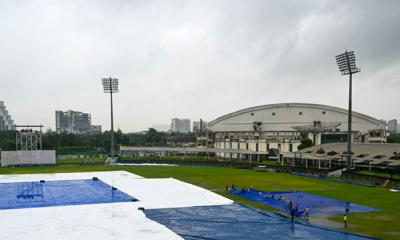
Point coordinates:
[(347, 66), (110, 85)]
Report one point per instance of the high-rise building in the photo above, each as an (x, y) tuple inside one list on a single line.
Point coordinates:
[(73, 122), (392, 126), (199, 126), (6, 123), (180, 125)]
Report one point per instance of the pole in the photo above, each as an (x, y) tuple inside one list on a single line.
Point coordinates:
[(349, 157), (112, 122)]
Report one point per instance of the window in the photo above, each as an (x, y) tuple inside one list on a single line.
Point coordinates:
[(279, 146), (252, 114), (323, 112), (300, 113), (247, 146), (267, 146), (273, 114), (290, 147)]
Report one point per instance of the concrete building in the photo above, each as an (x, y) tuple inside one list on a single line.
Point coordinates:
[(73, 122), (392, 126), (181, 125), (280, 127), (6, 122), (199, 126)]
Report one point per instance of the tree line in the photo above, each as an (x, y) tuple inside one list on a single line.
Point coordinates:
[(66, 143), (393, 138)]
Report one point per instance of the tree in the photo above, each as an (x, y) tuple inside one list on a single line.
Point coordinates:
[(305, 143), (393, 138), (7, 140), (332, 153)]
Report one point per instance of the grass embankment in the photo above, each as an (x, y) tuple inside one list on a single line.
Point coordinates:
[(383, 224)]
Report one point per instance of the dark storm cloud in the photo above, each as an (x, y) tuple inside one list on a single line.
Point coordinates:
[(194, 58)]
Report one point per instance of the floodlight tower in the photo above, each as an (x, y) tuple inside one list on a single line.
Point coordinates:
[(347, 66), (110, 86)]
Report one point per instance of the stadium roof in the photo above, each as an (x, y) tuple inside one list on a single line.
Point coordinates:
[(304, 105)]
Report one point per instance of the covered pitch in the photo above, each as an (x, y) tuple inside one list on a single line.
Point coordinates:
[(75, 206), (317, 205), (59, 193)]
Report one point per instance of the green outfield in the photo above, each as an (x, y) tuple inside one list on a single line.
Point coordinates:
[(383, 224)]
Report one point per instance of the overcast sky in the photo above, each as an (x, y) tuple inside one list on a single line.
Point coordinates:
[(194, 59)]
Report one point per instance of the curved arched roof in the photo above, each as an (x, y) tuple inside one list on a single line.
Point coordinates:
[(304, 105)]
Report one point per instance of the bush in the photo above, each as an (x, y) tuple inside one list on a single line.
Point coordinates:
[(345, 152), (305, 143), (321, 151), (332, 153), (396, 156)]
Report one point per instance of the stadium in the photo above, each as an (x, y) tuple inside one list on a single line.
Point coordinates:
[(282, 126)]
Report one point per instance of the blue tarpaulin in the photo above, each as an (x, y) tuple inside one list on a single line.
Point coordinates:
[(238, 222), (58, 193), (317, 205)]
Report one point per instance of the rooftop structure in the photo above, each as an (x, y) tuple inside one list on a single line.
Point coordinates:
[(363, 153)]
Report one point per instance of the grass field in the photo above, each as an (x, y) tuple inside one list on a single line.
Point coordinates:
[(383, 224)]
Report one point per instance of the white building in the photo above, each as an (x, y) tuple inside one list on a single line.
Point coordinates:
[(392, 126), (180, 125), (282, 126), (6, 122), (73, 122)]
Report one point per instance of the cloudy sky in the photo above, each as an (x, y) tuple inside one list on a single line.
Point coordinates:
[(194, 59)]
